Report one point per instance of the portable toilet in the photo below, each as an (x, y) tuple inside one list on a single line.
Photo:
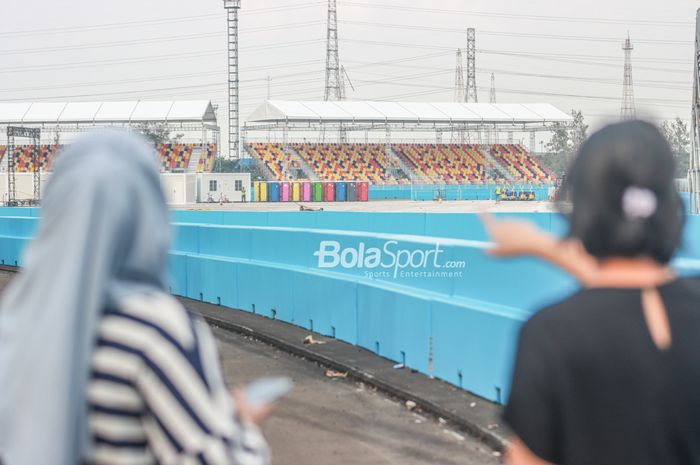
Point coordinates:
[(296, 191), (351, 191), (284, 192), (306, 191), (364, 191), (264, 186), (340, 192), (317, 192), (329, 191), (274, 192), (256, 191)]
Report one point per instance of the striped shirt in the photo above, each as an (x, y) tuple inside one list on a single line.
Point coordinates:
[(157, 395)]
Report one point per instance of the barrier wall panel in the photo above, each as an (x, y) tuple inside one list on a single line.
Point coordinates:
[(296, 192), (225, 241), (195, 284), (332, 306), (472, 319), (30, 212), (185, 238), (292, 219), (219, 282), (234, 218), (520, 283), (11, 249), (18, 226), (394, 325), (474, 348), (264, 288), (177, 273)]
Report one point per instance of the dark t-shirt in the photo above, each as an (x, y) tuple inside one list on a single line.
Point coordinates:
[(590, 386)]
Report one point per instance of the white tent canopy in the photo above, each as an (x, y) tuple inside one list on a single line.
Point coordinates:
[(275, 111), (197, 111)]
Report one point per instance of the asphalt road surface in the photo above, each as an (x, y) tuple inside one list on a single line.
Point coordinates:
[(336, 421)]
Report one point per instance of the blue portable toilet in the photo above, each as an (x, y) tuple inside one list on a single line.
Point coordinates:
[(274, 192), (340, 192)]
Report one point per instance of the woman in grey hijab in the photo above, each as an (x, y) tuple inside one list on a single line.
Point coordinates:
[(98, 364)]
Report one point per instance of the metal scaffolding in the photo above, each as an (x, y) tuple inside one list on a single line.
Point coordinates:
[(35, 135), (234, 134)]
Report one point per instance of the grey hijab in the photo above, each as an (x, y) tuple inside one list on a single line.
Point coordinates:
[(103, 236)]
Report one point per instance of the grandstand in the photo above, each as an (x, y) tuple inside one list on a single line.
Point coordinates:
[(386, 162), (401, 163), (348, 162), (194, 122), (520, 165)]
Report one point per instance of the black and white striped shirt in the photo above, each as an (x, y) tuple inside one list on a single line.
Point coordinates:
[(157, 395)]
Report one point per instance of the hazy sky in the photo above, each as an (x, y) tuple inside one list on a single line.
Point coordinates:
[(552, 51)]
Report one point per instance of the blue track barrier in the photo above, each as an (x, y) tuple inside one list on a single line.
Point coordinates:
[(392, 283)]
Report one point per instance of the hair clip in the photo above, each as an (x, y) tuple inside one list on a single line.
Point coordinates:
[(638, 202)]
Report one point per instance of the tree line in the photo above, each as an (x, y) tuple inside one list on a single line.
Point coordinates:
[(567, 138)]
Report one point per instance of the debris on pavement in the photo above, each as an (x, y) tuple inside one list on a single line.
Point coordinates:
[(492, 426), (410, 404), (309, 340), (336, 374), (457, 436)]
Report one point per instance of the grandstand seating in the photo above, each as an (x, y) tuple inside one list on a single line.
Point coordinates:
[(23, 157), (445, 163), (430, 163), (273, 156), (175, 157), (348, 162), (519, 164), (206, 162)]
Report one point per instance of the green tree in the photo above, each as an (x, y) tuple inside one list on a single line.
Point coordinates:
[(578, 131), (678, 136), (158, 133), (565, 142)]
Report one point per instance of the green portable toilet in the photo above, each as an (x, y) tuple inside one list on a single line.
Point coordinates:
[(317, 192)]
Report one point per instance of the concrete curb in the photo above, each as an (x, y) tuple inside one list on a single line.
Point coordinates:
[(475, 416)]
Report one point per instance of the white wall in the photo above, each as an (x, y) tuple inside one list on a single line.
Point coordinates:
[(225, 184), (24, 185), (179, 188)]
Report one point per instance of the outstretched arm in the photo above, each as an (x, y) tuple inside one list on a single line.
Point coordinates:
[(515, 237)]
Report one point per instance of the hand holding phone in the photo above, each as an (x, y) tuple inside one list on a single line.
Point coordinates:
[(267, 390)]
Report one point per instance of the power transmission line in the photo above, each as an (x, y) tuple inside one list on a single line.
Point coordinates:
[(513, 34), (528, 17), (149, 22)]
